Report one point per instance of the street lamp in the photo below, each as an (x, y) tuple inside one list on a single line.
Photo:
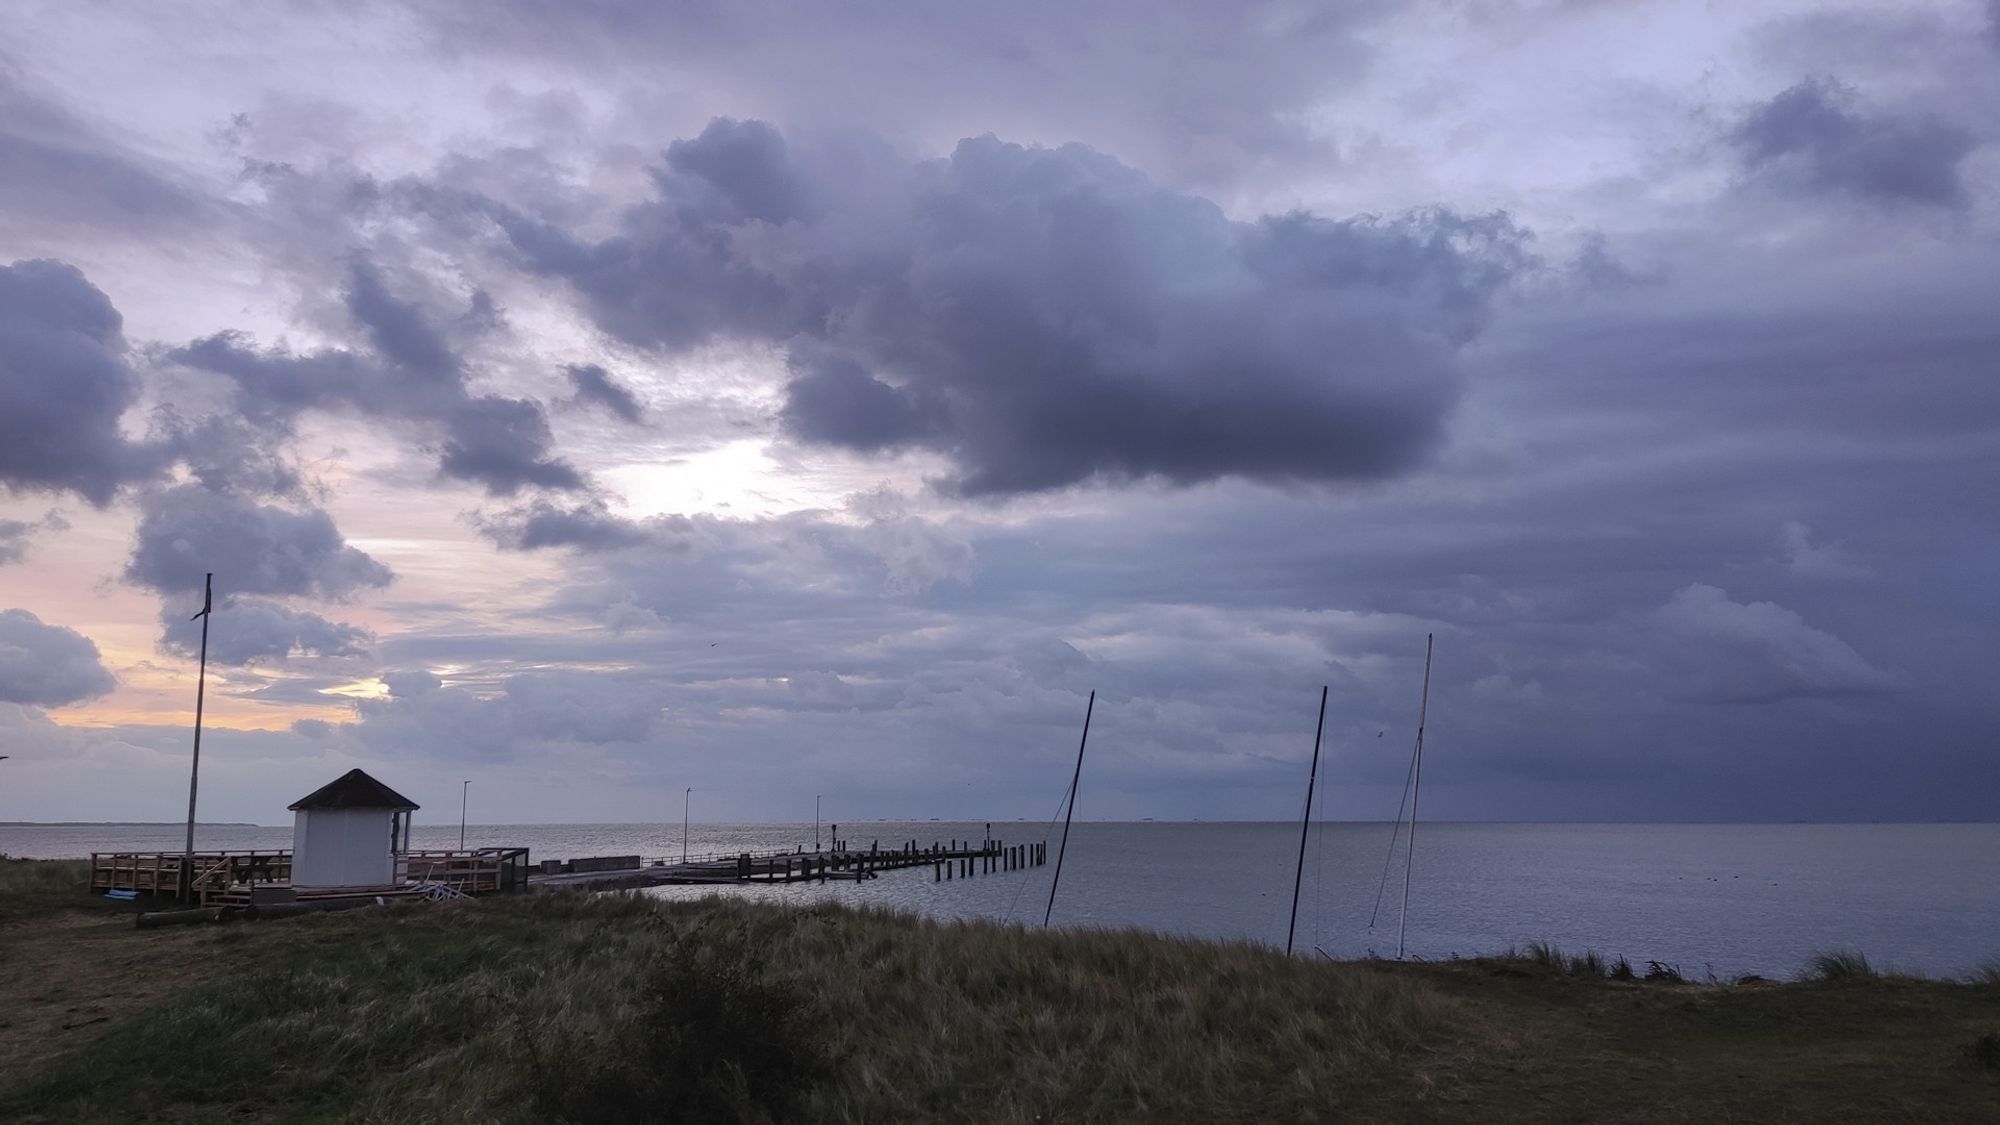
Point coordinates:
[(463, 793), (687, 801)]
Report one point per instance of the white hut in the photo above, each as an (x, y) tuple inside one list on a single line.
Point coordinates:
[(347, 833)]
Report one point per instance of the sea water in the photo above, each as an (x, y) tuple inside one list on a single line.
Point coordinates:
[(1728, 899)]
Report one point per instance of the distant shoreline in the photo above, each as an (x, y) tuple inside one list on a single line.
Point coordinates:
[(130, 824)]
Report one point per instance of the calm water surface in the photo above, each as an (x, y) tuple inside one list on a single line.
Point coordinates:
[(1729, 898)]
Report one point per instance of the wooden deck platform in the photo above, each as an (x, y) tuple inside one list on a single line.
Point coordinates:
[(239, 878)]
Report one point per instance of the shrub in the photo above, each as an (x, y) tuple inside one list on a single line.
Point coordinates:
[(1989, 973), (1985, 1051), (1621, 969)]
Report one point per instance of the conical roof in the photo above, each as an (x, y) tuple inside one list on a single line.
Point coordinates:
[(353, 790)]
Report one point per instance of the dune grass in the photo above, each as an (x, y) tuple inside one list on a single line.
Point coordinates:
[(1590, 965), (562, 1007), (36, 886), (554, 1007)]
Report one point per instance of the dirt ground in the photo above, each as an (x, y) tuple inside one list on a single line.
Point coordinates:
[(65, 976)]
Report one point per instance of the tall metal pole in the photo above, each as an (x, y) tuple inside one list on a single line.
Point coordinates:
[(464, 792), (200, 689), (1416, 791), (815, 822), (1074, 778), (687, 802), (1312, 779)]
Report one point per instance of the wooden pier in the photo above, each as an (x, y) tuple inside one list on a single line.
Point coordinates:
[(242, 878), (954, 859)]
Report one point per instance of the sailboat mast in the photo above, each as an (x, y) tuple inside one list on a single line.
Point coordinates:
[(1074, 779), (1416, 791), (1305, 825)]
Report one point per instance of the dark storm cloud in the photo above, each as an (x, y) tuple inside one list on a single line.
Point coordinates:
[(1045, 317), (249, 630), (1819, 137), (834, 402), (503, 443), (594, 385), (47, 665), (399, 331), (64, 383), (187, 531), (410, 373), (55, 168)]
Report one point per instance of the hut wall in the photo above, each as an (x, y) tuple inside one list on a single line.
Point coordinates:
[(343, 848)]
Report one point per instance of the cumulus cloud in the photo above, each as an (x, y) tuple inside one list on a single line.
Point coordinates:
[(188, 531), (1817, 137), (260, 553), (64, 383), (1761, 652), (47, 665), (1808, 559), (410, 373), (532, 709), (227, 453), (252, 630), (586, 526), (1042, 317), (595, 386)]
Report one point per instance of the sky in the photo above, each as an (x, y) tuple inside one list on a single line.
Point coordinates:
[(792, 401)]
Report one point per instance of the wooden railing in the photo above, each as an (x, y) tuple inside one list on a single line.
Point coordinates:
[(159, 873), (474, 871)]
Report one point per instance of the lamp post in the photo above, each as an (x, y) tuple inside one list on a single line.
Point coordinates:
[(687, 801), (463, 793)]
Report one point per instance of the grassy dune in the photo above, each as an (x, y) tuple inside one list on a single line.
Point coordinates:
[(31, 887), (562, 1007)]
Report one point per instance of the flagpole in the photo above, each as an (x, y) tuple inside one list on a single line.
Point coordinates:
[(200, 689)]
